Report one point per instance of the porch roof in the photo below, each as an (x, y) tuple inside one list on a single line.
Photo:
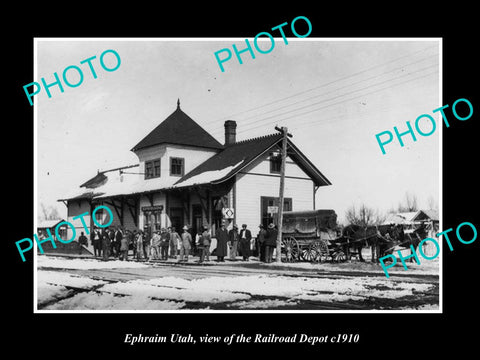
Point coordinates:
[(215, 170)]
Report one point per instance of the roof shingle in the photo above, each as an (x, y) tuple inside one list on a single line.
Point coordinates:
[(240, 154), (178, 128)]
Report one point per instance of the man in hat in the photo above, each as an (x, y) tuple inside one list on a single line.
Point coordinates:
[(115, 244), (185, 244), (123, 254), (96, 239), (155, 245), (105, 245), (245, 237), (233, 237), (222, 238), (206, 240), (203, 244), (82, 240), (175, 242), (270, 242), (139, 254), (164, 243), (261, 242)]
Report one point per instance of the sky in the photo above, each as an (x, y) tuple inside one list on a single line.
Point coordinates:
[(334, 95)]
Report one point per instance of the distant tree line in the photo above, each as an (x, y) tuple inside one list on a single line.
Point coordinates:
[(48, 213), (364, 215)]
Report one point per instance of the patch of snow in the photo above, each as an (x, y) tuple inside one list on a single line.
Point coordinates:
[(85, 264), (47, 292), (61, 278), (170, 292), (191, 292), (106, 301), (225, 289), (427, 267), (51, 285), (207, 176), (262, 304)]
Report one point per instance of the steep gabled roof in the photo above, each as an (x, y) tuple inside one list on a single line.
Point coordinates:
[(238, 156), (430, 213), (95, 181), (48, 224), (178, 128)]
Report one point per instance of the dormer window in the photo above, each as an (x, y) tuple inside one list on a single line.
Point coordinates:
[(177, 166), (152, 169)]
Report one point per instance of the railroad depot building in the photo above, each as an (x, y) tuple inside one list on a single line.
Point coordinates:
[(184, 176)]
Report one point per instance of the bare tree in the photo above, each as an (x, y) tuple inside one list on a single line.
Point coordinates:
[(409, 204), (363, 216), (379, 217), (432, 203), (49, 213), (44, 212)]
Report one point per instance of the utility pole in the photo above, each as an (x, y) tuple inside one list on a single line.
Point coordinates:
[(285, 133)]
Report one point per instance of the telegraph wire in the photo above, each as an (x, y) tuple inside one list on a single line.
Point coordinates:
[(276, 121), (329, 83), (217, 131), (338, 96), (340, 102), (255, 117), (337, 89)]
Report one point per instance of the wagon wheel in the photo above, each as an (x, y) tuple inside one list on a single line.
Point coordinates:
[(310, 253), (340, 256), (290, 249), (323, 251), (315, 251)]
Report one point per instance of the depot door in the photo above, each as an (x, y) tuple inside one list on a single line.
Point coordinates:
[(197, 219), (269, 204)]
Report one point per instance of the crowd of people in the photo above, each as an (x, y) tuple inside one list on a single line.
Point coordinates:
[(167, 243)]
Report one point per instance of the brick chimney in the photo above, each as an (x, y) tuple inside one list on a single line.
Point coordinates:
[(230, 132)]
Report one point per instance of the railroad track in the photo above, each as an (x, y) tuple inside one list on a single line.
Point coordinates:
[(111, 276), (289, 303), (195, 271)]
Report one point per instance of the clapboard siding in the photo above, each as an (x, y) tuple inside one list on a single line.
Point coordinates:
[(291, 168), (250, 188)]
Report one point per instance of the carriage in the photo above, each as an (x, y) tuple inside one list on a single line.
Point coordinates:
[(311, 236)]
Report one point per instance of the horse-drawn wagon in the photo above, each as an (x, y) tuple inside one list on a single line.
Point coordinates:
[(311, 236), (314, 236)]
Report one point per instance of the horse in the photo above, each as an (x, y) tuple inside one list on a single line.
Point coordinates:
[(389, 236), (403, 239), (415, 238), (379, 237), (358, 237)]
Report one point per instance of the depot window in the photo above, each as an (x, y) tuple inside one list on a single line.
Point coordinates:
[(152, 169), (275, 163), (177, 166)]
